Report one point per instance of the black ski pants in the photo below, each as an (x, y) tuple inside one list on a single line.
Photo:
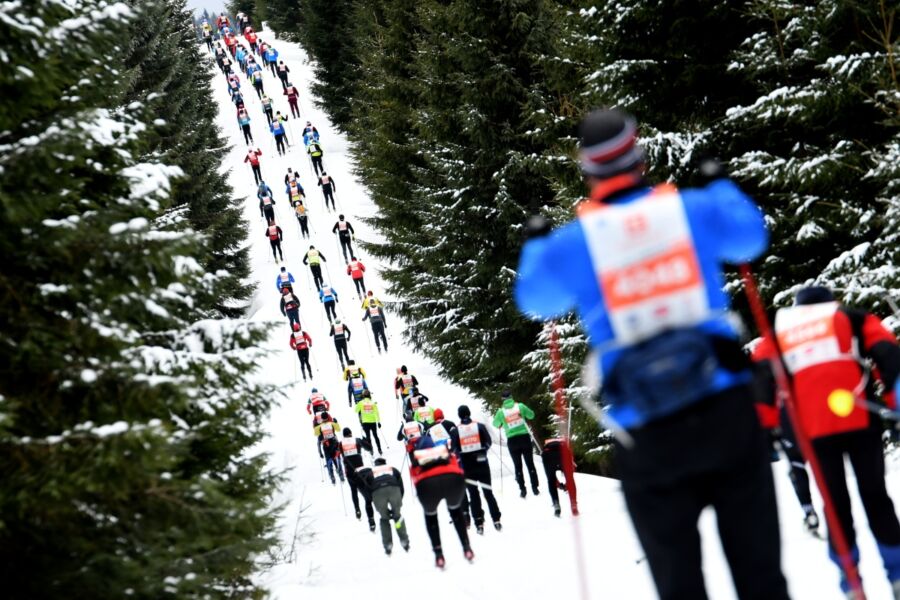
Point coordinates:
[(293, 315), (798, 475), (279, 143), (329, 195), (360, 286), (269, 116), (330, 311), (341, 346), (552, 459), (371, 430), (431, 490), (258, 86), (276, 246), (248, 137), (316, 271), (712, 453), (866, 454), (295, 111), (303, 355), (479, 471), (268, 212), (257, 174), (378, 332), (317, 164), (519, 447), (345, 246), (304, 225), (357, 487)]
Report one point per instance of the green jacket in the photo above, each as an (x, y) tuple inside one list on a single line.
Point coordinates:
[(367, 409), (512, 418)]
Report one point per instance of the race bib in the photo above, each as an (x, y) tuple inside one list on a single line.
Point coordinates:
[(349, 448), (438, 433), (469, 438), (436, 454), (513, 417), (357, 384), (411, 429), (327, 430), (382, 470), (807, 336)]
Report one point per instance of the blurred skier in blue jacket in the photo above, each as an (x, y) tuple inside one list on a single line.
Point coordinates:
[(643, 267)]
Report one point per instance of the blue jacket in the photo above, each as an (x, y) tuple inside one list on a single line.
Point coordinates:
[(253, 69), (278, 280), (271, 55), (240, 55), (267, 191), (329, 298), (276, 128), (556, 273), (310, 135), (244, 121), (287, 189)]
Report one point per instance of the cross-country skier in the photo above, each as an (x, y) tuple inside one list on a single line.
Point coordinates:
[(251, 39), (317, 402), (256, 78), (301, 342), (375, 315), (314, 259), (237, 98), (329, 448), (290, 306), (266, 201), (329, 299), (314, 149), (353, 370), (693, 436), (292, 175), (282, 70), (294, 190), (404, 383), (414, 400), (326, 182), (293, 96), (410, 429), (436, 473), (341, 335), (512, 418), (355, 388), (302, 218), (551, 457), (825, 347), (253, 158), (345, 233), (367, 409), (310, 133), (207, 38), (424, 413), (471, 442), (275, 237), (243, 120), (284, 279), (277, 129), (386, 486), (267, 108), (271, 58), (369, 301), (351, 450)]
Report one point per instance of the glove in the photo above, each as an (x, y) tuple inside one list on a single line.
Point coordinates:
[(536, 226), (711, 169), (353, 237), (379, 426)]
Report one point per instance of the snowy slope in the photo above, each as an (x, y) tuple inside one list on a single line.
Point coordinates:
[(325, 551)]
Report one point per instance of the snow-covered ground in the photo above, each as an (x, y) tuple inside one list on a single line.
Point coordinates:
[(326, 552)]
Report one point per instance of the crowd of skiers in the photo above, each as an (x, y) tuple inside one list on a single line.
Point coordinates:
[(674, 369)]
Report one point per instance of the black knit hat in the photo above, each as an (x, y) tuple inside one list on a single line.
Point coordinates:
[(380, 461), (463, 411), (813, 294), (607, 144)]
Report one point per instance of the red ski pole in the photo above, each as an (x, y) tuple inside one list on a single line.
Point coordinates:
[(568, 463), (785, 383)]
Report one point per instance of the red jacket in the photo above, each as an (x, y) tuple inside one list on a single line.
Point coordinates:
[(253, 157), (830, 385), (230, 41), (355, 269), (300, 340), (419, 473)]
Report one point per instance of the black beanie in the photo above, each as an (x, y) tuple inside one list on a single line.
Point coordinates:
[(607, 141), (813, 294), (347, 432), (380, 461), (463, 411)]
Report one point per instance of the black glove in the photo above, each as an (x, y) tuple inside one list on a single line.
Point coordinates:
[(711, 169), (536, 226), (379, 426)]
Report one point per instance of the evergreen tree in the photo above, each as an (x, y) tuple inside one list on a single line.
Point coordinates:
[(126, 416)]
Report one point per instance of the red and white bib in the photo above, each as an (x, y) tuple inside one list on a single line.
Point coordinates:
[(513, 417), (349, 447), (469, 438)]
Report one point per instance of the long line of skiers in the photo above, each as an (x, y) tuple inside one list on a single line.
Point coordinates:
[(673, 367)]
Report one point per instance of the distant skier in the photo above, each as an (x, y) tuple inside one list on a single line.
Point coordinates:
[(275, 237), (471, 442), (282, 70), (371, 300), (351, 450), (243, 120), (375, 315), (266, 201), (293, 97), (267, 108), (252, 40), (512, 418), (551, 457), (345, 233), (253, 158), (367, 410), (329, 448), (237, 98), (292, 175), (356, 385), (404, 383), (326, 182), (385, 483), (410, 430), (301, 342), (302, 218), (271, 58), (290, 306), (356, 271), (314, 149), (414, 400), (436, 473), (277, 129), (424, 414), (341, 335), (256, 78), (329, 299), (317, 402), (284, 279), (207, 38), (310, 133), (314, 259)]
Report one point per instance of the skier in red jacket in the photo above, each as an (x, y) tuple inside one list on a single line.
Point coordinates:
[(301, 342), (355, 269), (253, 158)]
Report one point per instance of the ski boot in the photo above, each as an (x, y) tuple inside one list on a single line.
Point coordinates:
[(372, 525), (479, 528), (387, 550), (556, 510), (467, 552), (522, 493), (811, 521), (439, 561), (534, 490), (405, 546), (498, 526), (358, 514)]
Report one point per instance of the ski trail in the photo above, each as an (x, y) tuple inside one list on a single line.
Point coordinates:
[(321, 549)]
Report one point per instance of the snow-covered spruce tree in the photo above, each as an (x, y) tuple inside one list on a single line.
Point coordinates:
[(126, 418), (491, 132), (287, 18), (165, 60), (818, 144)]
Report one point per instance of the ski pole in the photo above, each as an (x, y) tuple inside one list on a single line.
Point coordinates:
[(786, 385), (369, 340), (500, 452), (343, 503)]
